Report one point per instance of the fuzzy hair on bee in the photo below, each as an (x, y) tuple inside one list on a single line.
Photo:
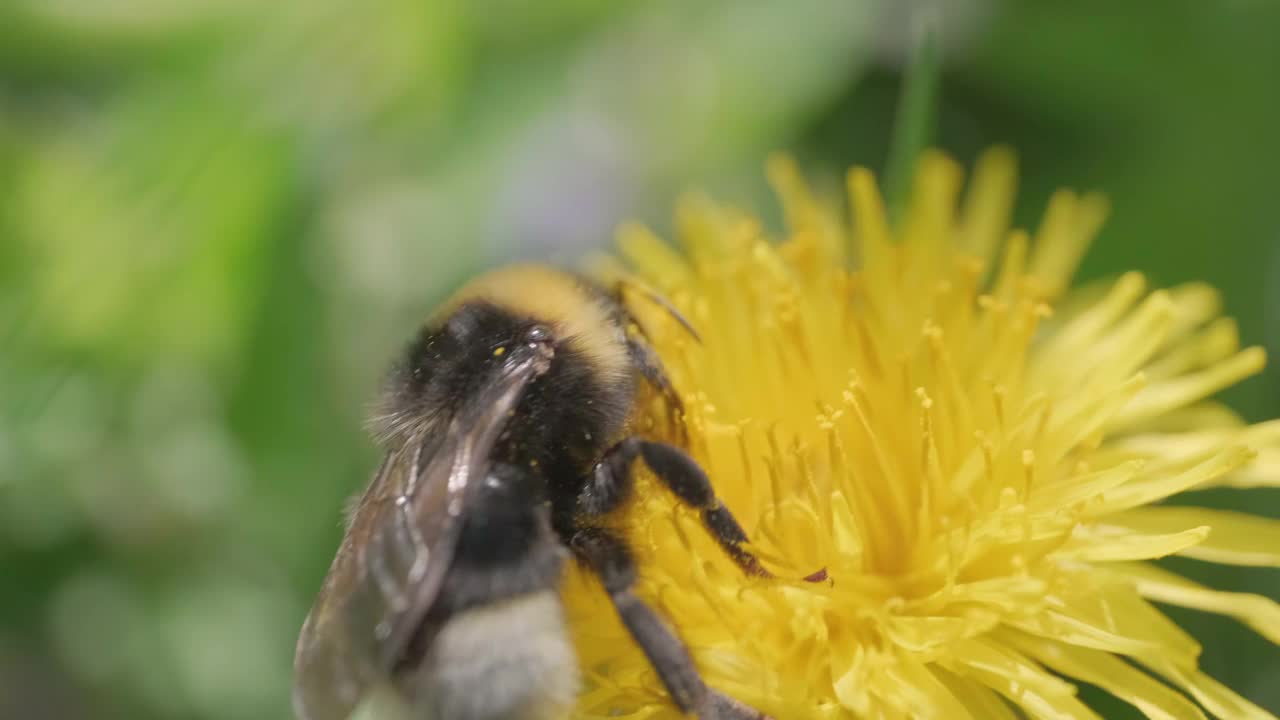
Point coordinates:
[(508, 431), (591, 333)]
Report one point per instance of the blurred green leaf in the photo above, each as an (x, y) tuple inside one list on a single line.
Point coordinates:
[(146, 228)]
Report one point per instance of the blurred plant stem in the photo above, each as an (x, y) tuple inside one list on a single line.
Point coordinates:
[(916, 115)]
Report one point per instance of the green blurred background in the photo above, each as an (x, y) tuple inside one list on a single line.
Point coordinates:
[(219, 219)]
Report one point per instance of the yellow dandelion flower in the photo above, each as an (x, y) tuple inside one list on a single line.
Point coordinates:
[(973, 454)]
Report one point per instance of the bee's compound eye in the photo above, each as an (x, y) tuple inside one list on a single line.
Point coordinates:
[(539, 340), (538, 334)]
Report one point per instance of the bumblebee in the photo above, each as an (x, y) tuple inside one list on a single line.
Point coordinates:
[(508, 431)]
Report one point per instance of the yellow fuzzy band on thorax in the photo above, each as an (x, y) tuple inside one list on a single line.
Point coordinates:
[(558, 299)]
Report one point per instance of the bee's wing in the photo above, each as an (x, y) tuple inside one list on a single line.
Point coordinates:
[(393, 558)]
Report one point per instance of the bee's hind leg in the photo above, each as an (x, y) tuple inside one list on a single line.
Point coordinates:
[(608, 557)]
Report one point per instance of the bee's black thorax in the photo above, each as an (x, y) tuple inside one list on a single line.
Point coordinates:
[(567, 418)]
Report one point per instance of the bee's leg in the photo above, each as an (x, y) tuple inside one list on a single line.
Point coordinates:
[(618, 295), (611, 483), (646, 359), (686, 479), (608, 557)]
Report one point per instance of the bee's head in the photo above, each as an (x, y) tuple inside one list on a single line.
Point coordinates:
[(453, 359)]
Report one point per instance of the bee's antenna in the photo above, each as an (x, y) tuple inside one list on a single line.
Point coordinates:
[(655, 297)]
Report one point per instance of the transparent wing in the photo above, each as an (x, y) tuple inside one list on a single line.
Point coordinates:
[(396, 551)]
